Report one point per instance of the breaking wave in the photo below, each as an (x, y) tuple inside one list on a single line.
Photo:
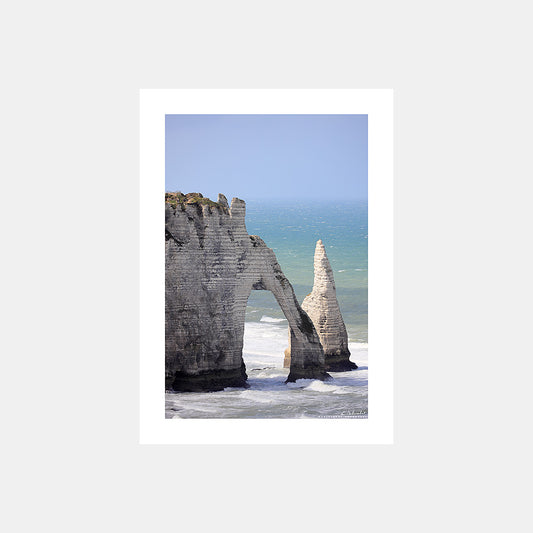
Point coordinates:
[(272, 320)]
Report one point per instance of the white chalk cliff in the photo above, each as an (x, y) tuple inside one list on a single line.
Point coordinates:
[(323, 309), (211, 266)]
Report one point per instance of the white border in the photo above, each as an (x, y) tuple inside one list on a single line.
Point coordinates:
[(378, 105)]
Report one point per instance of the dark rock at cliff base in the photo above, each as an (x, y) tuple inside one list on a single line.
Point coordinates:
[(312, 372), (340, 363), (212, 380)]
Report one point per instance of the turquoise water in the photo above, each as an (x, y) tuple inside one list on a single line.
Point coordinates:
[(292, 230)]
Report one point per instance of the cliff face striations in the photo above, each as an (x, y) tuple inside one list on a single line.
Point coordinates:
[(323, 309), (211, 266)]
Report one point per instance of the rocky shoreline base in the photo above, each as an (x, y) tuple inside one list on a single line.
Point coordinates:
[(211, 380)]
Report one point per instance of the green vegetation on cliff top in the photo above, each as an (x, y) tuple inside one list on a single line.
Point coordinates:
[(178, 198)]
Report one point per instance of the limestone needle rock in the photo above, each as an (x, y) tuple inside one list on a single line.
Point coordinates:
[(211, 266), (323, 308)]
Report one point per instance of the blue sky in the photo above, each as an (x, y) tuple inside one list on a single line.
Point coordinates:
[(257, 157)]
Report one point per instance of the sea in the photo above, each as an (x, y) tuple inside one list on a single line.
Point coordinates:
[(292, 230)]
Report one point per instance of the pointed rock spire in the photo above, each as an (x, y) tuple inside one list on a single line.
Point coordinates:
[(323, 309), (222, 200), (324, 281)]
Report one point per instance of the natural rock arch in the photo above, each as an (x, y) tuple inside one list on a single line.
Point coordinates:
[(211, 267)]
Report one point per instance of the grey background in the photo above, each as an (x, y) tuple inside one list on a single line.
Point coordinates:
[(69, 208)]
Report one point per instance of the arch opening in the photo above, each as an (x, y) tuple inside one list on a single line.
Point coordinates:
[(308, 359), (265, 335)]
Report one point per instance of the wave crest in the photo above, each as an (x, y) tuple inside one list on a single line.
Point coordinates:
[(265, 318)]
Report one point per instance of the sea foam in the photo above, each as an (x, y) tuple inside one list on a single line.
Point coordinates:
[(272, 320)]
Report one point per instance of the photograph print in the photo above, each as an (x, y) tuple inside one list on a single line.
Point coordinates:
[(266, 266)]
